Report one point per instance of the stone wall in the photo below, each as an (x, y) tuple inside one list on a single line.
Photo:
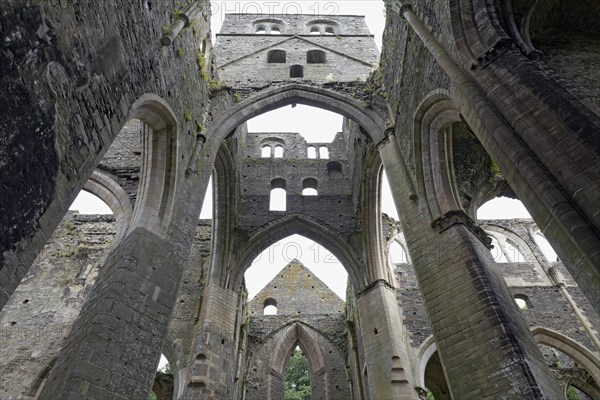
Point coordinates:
[(337, 185), (72, 73), (309, 315), (35, 324), (349, 50), (36, 321)]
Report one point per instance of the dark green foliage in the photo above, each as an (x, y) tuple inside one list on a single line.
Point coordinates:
[(297, 377), (166, 369), (572, 394)]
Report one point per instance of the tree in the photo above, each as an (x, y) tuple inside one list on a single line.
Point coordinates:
[(297, 377)]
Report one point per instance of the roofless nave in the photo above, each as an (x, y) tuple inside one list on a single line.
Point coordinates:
[(466, 102)]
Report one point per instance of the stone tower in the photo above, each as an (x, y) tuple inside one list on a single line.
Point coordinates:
[(256, 50)]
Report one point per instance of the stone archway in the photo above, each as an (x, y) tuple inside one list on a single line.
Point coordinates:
[(278, 97), (115, 197), (266, 369), (298, 224)]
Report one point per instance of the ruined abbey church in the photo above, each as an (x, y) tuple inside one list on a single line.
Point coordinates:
[(133, 101)]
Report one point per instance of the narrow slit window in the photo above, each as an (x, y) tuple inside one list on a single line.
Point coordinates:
[(278, 200), (278, 195)]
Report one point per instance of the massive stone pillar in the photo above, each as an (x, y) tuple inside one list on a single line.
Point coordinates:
[(483, 341), (212, 360), (116, 342), (387, 369)]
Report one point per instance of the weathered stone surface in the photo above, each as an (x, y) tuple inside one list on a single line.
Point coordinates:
[(471, 100)]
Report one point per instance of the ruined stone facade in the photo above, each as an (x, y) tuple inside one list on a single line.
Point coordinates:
[(467, 101)]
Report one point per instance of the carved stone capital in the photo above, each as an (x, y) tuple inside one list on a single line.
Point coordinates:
[(455, 217)]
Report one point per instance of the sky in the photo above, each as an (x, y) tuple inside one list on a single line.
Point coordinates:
[(314, 125)]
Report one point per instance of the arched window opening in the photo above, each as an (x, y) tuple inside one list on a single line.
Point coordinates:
[(329, 30), (310, 192), (497, 252), (276, 57), (88, 203), (163, 381), (265, 152), (522, 302), (502, 208), (164, 366), (278, 195), (316, 57), (312, 152), (398, 254), (278, 200), (207, 203), (545, 247), (317, 258), (315, 30), (309, 187), (275, 30), (435, 380), (323, 152), (278, 152), (334, 166), (270, 307), (297, 376), (314, 124), (260, 30), (387, 201), (296, 71)]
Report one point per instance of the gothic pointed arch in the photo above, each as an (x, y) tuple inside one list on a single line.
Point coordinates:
[(372, 217), (281, 96), (580, 354), (109, 191), (160, 163), (297, 334), (432, 149), (307, 227), (326, 366), (430, 373), (223, 214)]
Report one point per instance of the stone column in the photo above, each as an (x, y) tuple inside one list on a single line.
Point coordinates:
[(116, 342), (483, 341), (212, 360), (387, 369)]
